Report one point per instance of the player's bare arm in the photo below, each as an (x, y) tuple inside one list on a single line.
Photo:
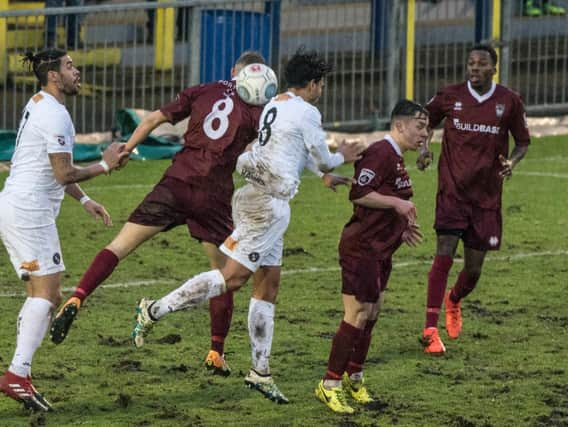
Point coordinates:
[(425, 156), (374, 200), (93, 208), (331, 180), (67, 173), (148, 124), (351, 151), (145, 128), (507, 165)]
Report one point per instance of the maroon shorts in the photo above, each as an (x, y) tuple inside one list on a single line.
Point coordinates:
[(365, 279), (479, 228), (172, 202)]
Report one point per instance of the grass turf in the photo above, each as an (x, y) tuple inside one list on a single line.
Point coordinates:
[(507, 368)]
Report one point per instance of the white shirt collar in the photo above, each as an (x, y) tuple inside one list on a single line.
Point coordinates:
[(477, 96), (390, 139)]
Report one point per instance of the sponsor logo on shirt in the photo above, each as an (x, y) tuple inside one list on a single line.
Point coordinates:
[(458, 106), (476, 127), (499, 110), (60, 139), (365, 176), (402, 183), (251, 175)]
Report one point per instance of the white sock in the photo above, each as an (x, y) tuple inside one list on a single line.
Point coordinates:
[(195, 291), (33, 322), (356, 377), (329, 384), (261, 331)]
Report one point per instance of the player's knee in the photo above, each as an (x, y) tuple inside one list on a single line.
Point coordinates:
[(357, 317), (120, 250), (235, 280)]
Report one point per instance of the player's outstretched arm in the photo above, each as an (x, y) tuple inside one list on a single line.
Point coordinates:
[(142, 131), (331, 180), (67, 173), (425, 156), (146, 126), (351, 151)]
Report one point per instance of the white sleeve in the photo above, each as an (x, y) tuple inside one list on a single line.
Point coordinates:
[(314, 138), (313, 167), (58, 131)]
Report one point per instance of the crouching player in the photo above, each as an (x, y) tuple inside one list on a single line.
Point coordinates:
[(383, 218)]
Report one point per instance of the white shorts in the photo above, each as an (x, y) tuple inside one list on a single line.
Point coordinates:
[(260, 223), (30, 237)]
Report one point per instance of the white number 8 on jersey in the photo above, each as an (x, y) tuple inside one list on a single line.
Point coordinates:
[(223, 117)]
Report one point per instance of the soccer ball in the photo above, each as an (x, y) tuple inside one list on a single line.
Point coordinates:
[(256, 84)]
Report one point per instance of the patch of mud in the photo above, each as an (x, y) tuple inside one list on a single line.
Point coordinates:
[(296, 251), (178, 368), (561, 321), (169, 339), (123, 400), (479, 336), (461, 421), (113, 342), (37, 419), (169, 412), (333, 313), (55, 376), (393, 310), (128, 365)]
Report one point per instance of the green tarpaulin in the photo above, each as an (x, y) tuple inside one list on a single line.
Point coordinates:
[(155, 147)]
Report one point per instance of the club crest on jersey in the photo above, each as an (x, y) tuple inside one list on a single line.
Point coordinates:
[(458, 106), (60, 139), (254, 256), (493, 241), (56, 258), (499, 110), (365, 176)]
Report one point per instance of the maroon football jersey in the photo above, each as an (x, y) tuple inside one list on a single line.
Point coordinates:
[(476, 131), (220, 127), (376, 233)]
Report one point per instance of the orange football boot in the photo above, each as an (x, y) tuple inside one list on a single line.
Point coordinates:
[(453, 317), (432, 343)]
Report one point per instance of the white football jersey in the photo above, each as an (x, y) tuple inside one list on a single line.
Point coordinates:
[(290, 133), (45, 128)]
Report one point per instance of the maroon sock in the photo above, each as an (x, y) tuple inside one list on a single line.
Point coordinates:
[(463, 287), (341, 349), (102, 266), (361, 349), (221, 313), (437, 281)]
